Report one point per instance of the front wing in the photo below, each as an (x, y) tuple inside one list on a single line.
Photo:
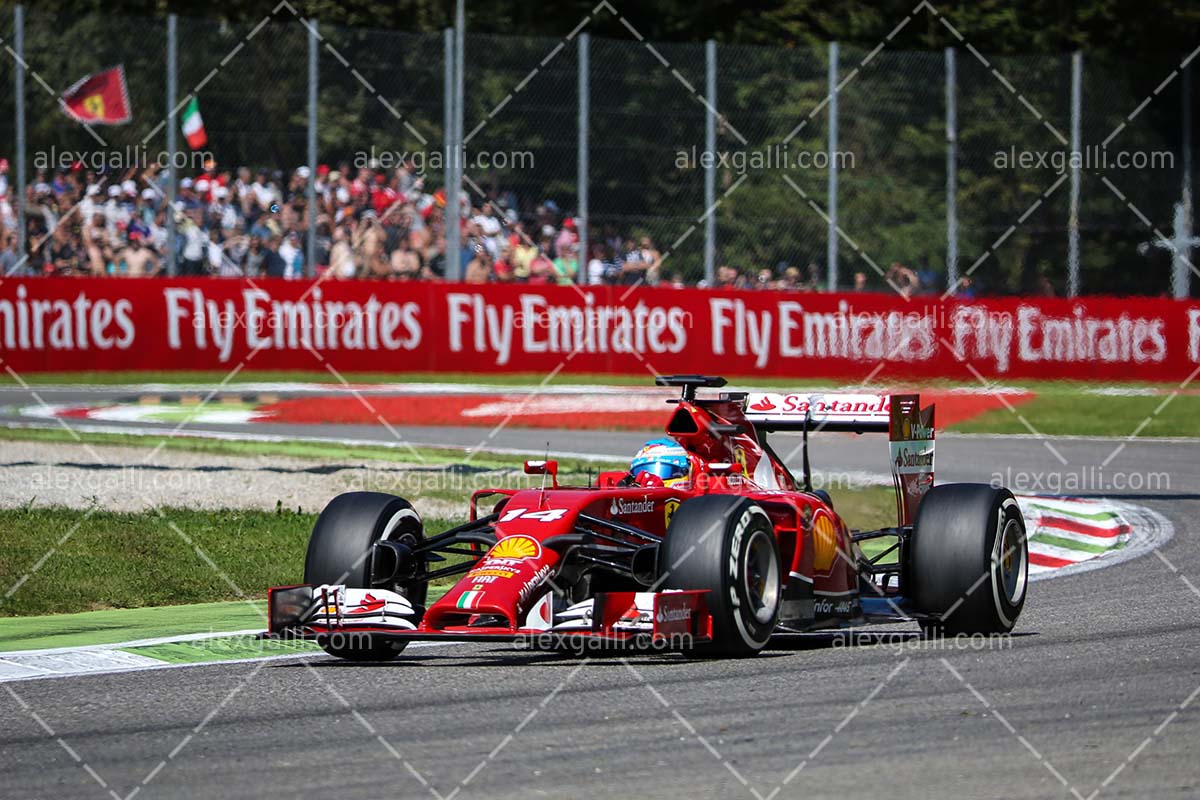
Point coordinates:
[(661, 619)]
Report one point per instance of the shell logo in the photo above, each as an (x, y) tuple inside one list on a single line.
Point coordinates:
[(516, 547), (824, 542)]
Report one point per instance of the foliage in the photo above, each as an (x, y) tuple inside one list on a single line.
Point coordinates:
[(771, 78)]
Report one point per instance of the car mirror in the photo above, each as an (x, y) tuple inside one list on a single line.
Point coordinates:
[(543, 468)]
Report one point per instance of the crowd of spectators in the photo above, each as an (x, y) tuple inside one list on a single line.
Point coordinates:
[(229, 223), (370, 224)]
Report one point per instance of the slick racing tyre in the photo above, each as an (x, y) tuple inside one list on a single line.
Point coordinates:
[(969, 560), (727, 545), (339, 552)]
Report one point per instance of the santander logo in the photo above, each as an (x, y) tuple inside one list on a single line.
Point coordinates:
[(764, 404)]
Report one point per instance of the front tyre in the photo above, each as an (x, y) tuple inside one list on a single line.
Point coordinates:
[(339, 553), (969, 560), (727, 545)]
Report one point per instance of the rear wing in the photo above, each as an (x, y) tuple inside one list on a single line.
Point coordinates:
[(909, 428), (857, 413)]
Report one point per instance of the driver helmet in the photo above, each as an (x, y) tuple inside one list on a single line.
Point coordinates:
[(662, 458)]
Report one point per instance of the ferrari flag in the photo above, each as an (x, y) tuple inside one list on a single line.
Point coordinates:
[(99, 99)]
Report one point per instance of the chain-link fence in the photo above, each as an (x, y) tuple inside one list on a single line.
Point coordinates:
[(774, 100), (828, 166), (520, 127)]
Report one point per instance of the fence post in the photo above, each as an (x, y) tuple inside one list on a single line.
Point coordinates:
[(951, 171), (710, 168), (172, 143), (581, 178), (310, 260), (831, 244), (1073, 219), (1181, 275), (448, 137), (453, 203), (19, 99)]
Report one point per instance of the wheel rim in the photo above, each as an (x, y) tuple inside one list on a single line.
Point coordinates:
[(394, 530), (761, 577), (1012, 561)]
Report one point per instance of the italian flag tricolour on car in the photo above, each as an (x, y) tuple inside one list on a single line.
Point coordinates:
[(469, 599), (1063, 532), (193, 125)]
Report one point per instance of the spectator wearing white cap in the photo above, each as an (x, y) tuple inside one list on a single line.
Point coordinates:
[(115, 211), (264, 190), (214, 252), (292, 255), (195, 245), (91, 203), (222, 210), (490, 231)]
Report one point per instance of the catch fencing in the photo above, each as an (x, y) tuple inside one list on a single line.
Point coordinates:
[(1062, 173)]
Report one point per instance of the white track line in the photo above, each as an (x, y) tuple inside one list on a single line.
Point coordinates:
[(74, 662)]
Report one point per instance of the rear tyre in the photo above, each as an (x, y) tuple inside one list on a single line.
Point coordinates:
[(726, 545), (339, 552), (969, 560)]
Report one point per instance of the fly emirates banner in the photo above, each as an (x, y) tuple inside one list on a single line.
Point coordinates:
[(49, 324)]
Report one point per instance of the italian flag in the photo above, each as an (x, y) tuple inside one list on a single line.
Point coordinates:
[(469, 599), (193, 126)]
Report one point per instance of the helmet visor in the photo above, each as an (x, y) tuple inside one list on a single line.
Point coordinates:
[(660, 468)]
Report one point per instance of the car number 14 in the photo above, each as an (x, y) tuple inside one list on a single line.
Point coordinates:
[(547, 515)]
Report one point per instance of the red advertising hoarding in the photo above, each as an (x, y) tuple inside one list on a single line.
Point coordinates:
[(66, 325)]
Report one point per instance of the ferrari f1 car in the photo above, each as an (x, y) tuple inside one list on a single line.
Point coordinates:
[(713, 565)]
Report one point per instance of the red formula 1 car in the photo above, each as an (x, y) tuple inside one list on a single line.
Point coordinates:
[(714, 565)]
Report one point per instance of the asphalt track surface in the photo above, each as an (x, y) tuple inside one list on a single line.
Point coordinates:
[(1099, 691)]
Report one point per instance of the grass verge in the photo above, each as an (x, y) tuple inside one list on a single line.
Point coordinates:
[(1060, 412), (115, 625), (294, 448), (63, 560)]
